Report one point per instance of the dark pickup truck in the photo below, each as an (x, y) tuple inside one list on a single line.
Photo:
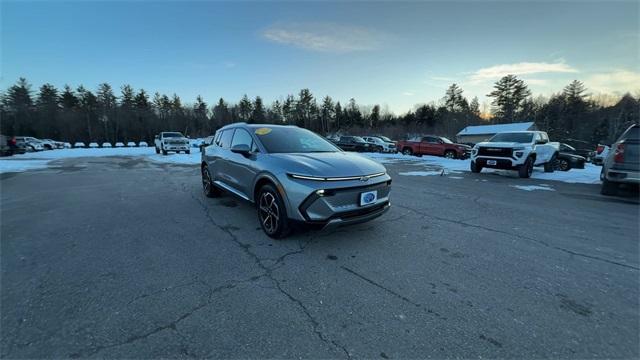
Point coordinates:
[(434, 145)]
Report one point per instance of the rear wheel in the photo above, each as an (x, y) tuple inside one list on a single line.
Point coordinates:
[(563, 165), (210, 190), (157, 150), (609, 188), (407, 151), (449, 154), (475, 168), (271, 213), (525, 170)]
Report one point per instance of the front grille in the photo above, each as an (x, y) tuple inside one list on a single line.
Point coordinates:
[(350, 196), (341, 201), (497, 152), (176, 142)]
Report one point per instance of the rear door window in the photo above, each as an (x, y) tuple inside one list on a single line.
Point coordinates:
[(225, 139)]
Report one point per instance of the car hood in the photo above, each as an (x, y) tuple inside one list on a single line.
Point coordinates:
[(327, 164), (501, 144)]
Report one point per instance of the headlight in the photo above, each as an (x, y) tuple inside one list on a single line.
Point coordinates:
[(519, 153)]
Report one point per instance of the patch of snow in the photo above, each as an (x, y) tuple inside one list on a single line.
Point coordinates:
[(421, 173), (456, 177), (532, 187), (10, 165)]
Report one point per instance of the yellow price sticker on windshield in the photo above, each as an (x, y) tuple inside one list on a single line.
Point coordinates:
[(263, 131)]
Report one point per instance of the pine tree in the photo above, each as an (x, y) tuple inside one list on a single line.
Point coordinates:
[(339, 117), (454, 101), (474, 107), (305, 109), (107, 109), (201, 117), (88, 104), (258, 115), (68, 99), (47, 109), (244, 109), (353, 116), (275, 113), (289, 110), (221, 115), (508, 96), (374, 118), (18, 106), (327, 113)]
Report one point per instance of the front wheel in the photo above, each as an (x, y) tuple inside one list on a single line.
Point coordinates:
[(525, 170), (562, 165), (550, 165), (407, 151), (475, 168), (271, 213), (164, 152), (157, 150), (450, 154), (188, 152)]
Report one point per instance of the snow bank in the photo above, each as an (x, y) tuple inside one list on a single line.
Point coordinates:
[(40, 160), (589, 175), (533, 187)]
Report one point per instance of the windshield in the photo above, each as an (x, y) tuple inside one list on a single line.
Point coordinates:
[(292, 140), (446, 141), (384, 138), (513, 137), (172, 134)]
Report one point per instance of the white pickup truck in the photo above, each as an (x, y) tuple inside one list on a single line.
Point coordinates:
[(519, 150), (171, 141)]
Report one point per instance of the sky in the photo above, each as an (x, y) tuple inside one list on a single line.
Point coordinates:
[(396, 54)]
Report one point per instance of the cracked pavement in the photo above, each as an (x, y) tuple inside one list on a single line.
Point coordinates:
[(124, 258)]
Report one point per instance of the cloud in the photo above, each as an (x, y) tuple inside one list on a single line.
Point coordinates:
[(523, 68), (613, 82), (324, 37)]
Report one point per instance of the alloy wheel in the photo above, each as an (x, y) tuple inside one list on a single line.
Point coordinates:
[(269, 212)]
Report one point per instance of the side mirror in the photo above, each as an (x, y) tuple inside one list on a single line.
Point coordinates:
[(241, 149)]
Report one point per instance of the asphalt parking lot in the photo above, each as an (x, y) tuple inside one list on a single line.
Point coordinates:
[(120, 257)]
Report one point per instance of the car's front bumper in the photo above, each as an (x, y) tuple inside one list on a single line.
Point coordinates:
[(500, 163), (340, 201)]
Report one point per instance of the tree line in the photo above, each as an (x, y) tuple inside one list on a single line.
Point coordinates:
[(83, 115)]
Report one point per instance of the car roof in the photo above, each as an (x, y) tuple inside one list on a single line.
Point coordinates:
[(255, 126)]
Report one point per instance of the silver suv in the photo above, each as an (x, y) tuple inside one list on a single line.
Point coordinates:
[(622, 164), (292, 174)]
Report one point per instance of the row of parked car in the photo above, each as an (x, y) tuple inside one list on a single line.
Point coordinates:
[(22, 144), (371, 143)]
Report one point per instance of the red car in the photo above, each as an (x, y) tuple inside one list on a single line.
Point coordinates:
[(434, 145)]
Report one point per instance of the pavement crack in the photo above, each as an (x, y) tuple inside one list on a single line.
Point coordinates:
[(392, 292)]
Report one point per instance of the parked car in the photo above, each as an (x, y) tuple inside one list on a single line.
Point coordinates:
[(434, 145), (171, 141), (292, 174), (568, 158), (93, 145), (9, 146), (66, 145), (106, 145), (54, 144), (355, 143), (29, 143), (143, 144), (119, 144), (79, 144), (519, 150), (622, 165), (384, 146), (602, 151), (131, 144)]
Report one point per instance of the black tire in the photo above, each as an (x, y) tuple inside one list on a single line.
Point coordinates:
[(475, 168), (450, 154), (551, 164), (563, 165), (407, 151), (609, 188), (525, 170), (188, 152), (602, 174), (209, 188), (272, 214), (157, 150), (164, 152)]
